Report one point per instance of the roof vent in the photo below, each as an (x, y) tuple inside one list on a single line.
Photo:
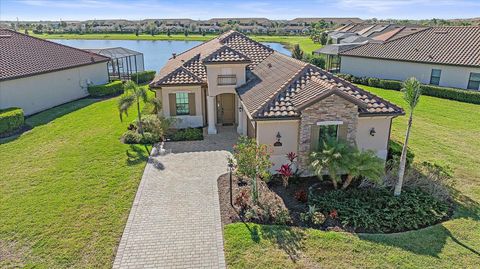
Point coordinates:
[(269, 65), (174, 55), (5, 36), (92, 59)]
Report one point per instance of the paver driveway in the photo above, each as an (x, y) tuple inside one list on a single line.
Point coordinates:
[(175, 218)]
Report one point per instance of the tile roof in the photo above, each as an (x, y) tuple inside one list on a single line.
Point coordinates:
[(450, 45), (23, 56), (226, 54)]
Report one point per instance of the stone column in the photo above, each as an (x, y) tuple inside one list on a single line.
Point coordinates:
[(211, 114)]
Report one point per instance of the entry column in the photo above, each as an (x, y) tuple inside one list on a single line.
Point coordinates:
[(211, 114)]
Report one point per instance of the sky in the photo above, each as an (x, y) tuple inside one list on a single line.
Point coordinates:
[(272, 9)]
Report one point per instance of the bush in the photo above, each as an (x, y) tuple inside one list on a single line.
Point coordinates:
[(189, 134), (316, 60), (11, 119), (378, 211), (112, 88), (395, 152), (144, 76), (430, 90), (132, 137)]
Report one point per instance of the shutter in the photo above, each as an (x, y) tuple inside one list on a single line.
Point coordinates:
[(173, 104), (314, 136), (191, 104), (342, 131)]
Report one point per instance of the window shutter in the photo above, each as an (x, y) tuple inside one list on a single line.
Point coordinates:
[(173, 104), (314, 136), (191, 104), (342, 131)]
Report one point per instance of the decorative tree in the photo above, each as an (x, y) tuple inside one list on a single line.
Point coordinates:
[(133, 94), (297, 53), (411, 94), (364, 164)]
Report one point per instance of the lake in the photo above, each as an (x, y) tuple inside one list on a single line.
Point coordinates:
[(155, 52)]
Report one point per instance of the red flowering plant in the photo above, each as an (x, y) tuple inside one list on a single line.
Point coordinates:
[(333, 214), (286, 172)]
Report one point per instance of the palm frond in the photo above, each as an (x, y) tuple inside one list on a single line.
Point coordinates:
[(124, 103)]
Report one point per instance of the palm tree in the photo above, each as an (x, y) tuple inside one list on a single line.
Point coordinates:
[(133, 94), (364, 164), (334, 158), (297, 53), (411, 94)]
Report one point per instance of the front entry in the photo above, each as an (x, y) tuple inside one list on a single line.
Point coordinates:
[(226, 109)]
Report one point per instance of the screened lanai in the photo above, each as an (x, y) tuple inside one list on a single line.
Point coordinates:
[(124, 62)]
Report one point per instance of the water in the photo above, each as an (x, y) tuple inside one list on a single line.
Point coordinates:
[(155, 52)]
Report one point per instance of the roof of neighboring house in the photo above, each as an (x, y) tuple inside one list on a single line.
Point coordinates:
[(117, 52), (450, 45), (381, 32), (335, 49), (23, 55), (277, 85)]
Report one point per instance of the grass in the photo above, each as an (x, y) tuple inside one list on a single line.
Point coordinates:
[(305, 42), (66, 187), (443, 131)]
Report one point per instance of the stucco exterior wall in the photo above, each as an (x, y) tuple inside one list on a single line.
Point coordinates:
[(36, 93), (183, 121), (213, 70), (451, 76), (332, 108), (379, 142), (267, 134)]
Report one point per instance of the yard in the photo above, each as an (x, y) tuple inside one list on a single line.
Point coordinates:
[(444, 131), (304, 41), (66, 187)]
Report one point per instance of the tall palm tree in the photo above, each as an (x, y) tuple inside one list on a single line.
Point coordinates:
[(133, 94), (411, 94), (297, 53), (364, 164), (334, 158)]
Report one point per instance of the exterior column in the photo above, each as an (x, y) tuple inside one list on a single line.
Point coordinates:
[(240, 119), (211, 115)]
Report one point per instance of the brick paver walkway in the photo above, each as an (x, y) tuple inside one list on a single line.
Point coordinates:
[(175, 218)]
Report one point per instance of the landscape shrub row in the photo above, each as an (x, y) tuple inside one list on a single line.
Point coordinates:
[(466, 96), (112, 88), (11, 119), (142, 77), (188, 134), (377, 210)]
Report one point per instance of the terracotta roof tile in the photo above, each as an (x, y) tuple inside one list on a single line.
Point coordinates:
[(226, 54), (23, 55)]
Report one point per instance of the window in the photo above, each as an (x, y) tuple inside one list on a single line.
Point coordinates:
[(474, 81), (326, 132), (227, 80), (435, 77), (181, 99)]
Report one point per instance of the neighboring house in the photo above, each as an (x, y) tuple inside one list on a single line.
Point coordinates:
[(285, 103), (37, 74), (123, 62), (444, 56)]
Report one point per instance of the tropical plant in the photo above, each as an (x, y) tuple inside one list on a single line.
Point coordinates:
[(334, 159), (364, 164), (411, 94), (286, 172), (133, 94), (297, 53)]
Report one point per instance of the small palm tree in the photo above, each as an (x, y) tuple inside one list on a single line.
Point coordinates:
[(297, 53), (364, 164), (133, 94), (334, 158), (411, 94)]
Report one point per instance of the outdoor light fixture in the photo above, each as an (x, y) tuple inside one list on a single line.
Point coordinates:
[(240, 108), (230, 168), (278, 143), (372, 132)]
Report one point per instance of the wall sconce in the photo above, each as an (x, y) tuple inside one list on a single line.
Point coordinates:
[(240, 108), (372, 132), (278, 143)]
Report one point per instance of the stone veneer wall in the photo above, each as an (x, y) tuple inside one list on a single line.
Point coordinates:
[(332, 108)]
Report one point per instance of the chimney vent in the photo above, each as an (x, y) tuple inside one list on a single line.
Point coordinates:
[(174, 55)]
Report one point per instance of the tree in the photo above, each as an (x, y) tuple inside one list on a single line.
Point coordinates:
[(133, 94), (185, 32), (323, 38), (411, 94), (334, 158), (26, 31), (297, 53), (364, 164), (168, 32)]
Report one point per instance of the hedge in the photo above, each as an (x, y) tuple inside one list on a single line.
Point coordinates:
[(11, 119), (461, 95), (112, 88), (145, 76)]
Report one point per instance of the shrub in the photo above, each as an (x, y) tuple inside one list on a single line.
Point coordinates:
[(395, 151), (144, 76), (11, 119), (131, 137), (188, 134), (378, 211), (112, 88), (316, 60), (301, 196)]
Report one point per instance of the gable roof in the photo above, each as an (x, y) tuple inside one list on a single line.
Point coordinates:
[(23, 55), (226, 54), (450, 45)]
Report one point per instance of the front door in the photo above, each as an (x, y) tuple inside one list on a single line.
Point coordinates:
[(226, 109)]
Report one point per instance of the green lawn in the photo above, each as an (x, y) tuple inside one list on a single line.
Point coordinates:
[(444, 131), (66, 187), (304, 41)]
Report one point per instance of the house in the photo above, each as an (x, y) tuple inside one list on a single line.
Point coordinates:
[(37, 74), (445, 56), (285, 103), (123, 62)]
